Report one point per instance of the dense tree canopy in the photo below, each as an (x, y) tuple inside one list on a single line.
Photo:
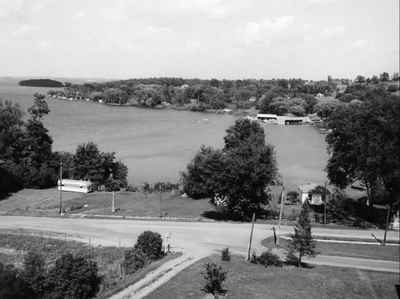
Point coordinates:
[(27, 159), (72, 277), (26, 146), (365, 146), (99, 167), (236, 177), (195, 94)]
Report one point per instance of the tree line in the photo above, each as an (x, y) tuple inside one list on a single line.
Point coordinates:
[(364, 146), (194, 94), (277, 96)]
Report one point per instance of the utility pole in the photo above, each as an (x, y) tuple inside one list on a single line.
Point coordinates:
[(60, 187), (113, 202), (280, 214), (251, 235), (160, 205), (387, 223), (325, 197)]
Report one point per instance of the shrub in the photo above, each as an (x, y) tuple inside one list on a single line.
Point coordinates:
[(131, 188), (72, 277), (268, 258), (253, 258), (134, 260), (12, 285), (291, 259), (150, 243), (392, 88), (34, 271), (214, 276), (226, 255), (76, 206), (292, 197)]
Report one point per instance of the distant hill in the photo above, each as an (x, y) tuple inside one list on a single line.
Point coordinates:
[(41, 83)]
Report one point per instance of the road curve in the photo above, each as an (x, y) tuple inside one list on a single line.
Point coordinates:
[(193, 238)]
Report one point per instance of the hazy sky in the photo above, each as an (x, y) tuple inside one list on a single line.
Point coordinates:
[(199, 38)]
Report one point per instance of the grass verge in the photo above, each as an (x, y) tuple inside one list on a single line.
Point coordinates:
[(372, 251), (246, 280)]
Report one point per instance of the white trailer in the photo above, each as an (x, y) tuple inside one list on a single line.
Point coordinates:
[(75, 186)]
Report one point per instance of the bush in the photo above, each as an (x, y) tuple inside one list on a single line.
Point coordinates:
[(72, 277), (12, 285), (268, 258), (214, 276), (34, 271), (226, 255), (392, 88), (134, 260), (150, 243), (253, 258), (76, 206), (292, 197), (131, 188), (292, 259)]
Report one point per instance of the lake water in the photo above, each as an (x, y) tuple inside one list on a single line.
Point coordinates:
[(156, 145)]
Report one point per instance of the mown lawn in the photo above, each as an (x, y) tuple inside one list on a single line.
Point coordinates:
[(373, 251), (246, 280), (139, 204), (46, 203), (15, 244)]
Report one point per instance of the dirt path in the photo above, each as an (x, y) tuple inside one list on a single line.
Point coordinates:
[(156, 278)]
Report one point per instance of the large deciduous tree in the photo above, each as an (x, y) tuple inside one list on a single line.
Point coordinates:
[(365, 146), (91, 164), (236, 177)]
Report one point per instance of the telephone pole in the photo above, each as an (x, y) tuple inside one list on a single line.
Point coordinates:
[(388, 207), (280, 215), (113, 202), (325, 199), (251, 235), (60, 188)]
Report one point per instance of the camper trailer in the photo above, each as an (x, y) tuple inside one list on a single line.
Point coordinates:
[(75, 186)]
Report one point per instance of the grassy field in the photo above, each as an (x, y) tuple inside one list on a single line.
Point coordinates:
[(139, 204), (246, 280), (38, 202), (46, 202), (15, 244), (373, 251)]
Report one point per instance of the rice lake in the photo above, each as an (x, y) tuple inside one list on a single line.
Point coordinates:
[(156, 145)]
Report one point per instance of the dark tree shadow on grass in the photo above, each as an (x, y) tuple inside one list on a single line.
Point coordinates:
[(223, 216)]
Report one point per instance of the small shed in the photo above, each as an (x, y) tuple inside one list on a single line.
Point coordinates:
[(75, 186)]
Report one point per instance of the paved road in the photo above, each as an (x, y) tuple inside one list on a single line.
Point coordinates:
[(194, 238)]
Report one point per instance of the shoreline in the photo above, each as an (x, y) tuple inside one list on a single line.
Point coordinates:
[(250, 113)]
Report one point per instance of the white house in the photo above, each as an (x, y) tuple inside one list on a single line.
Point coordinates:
[(305, 194), (75, 186)]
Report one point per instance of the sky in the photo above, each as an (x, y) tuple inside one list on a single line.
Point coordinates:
[(231, 39)]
